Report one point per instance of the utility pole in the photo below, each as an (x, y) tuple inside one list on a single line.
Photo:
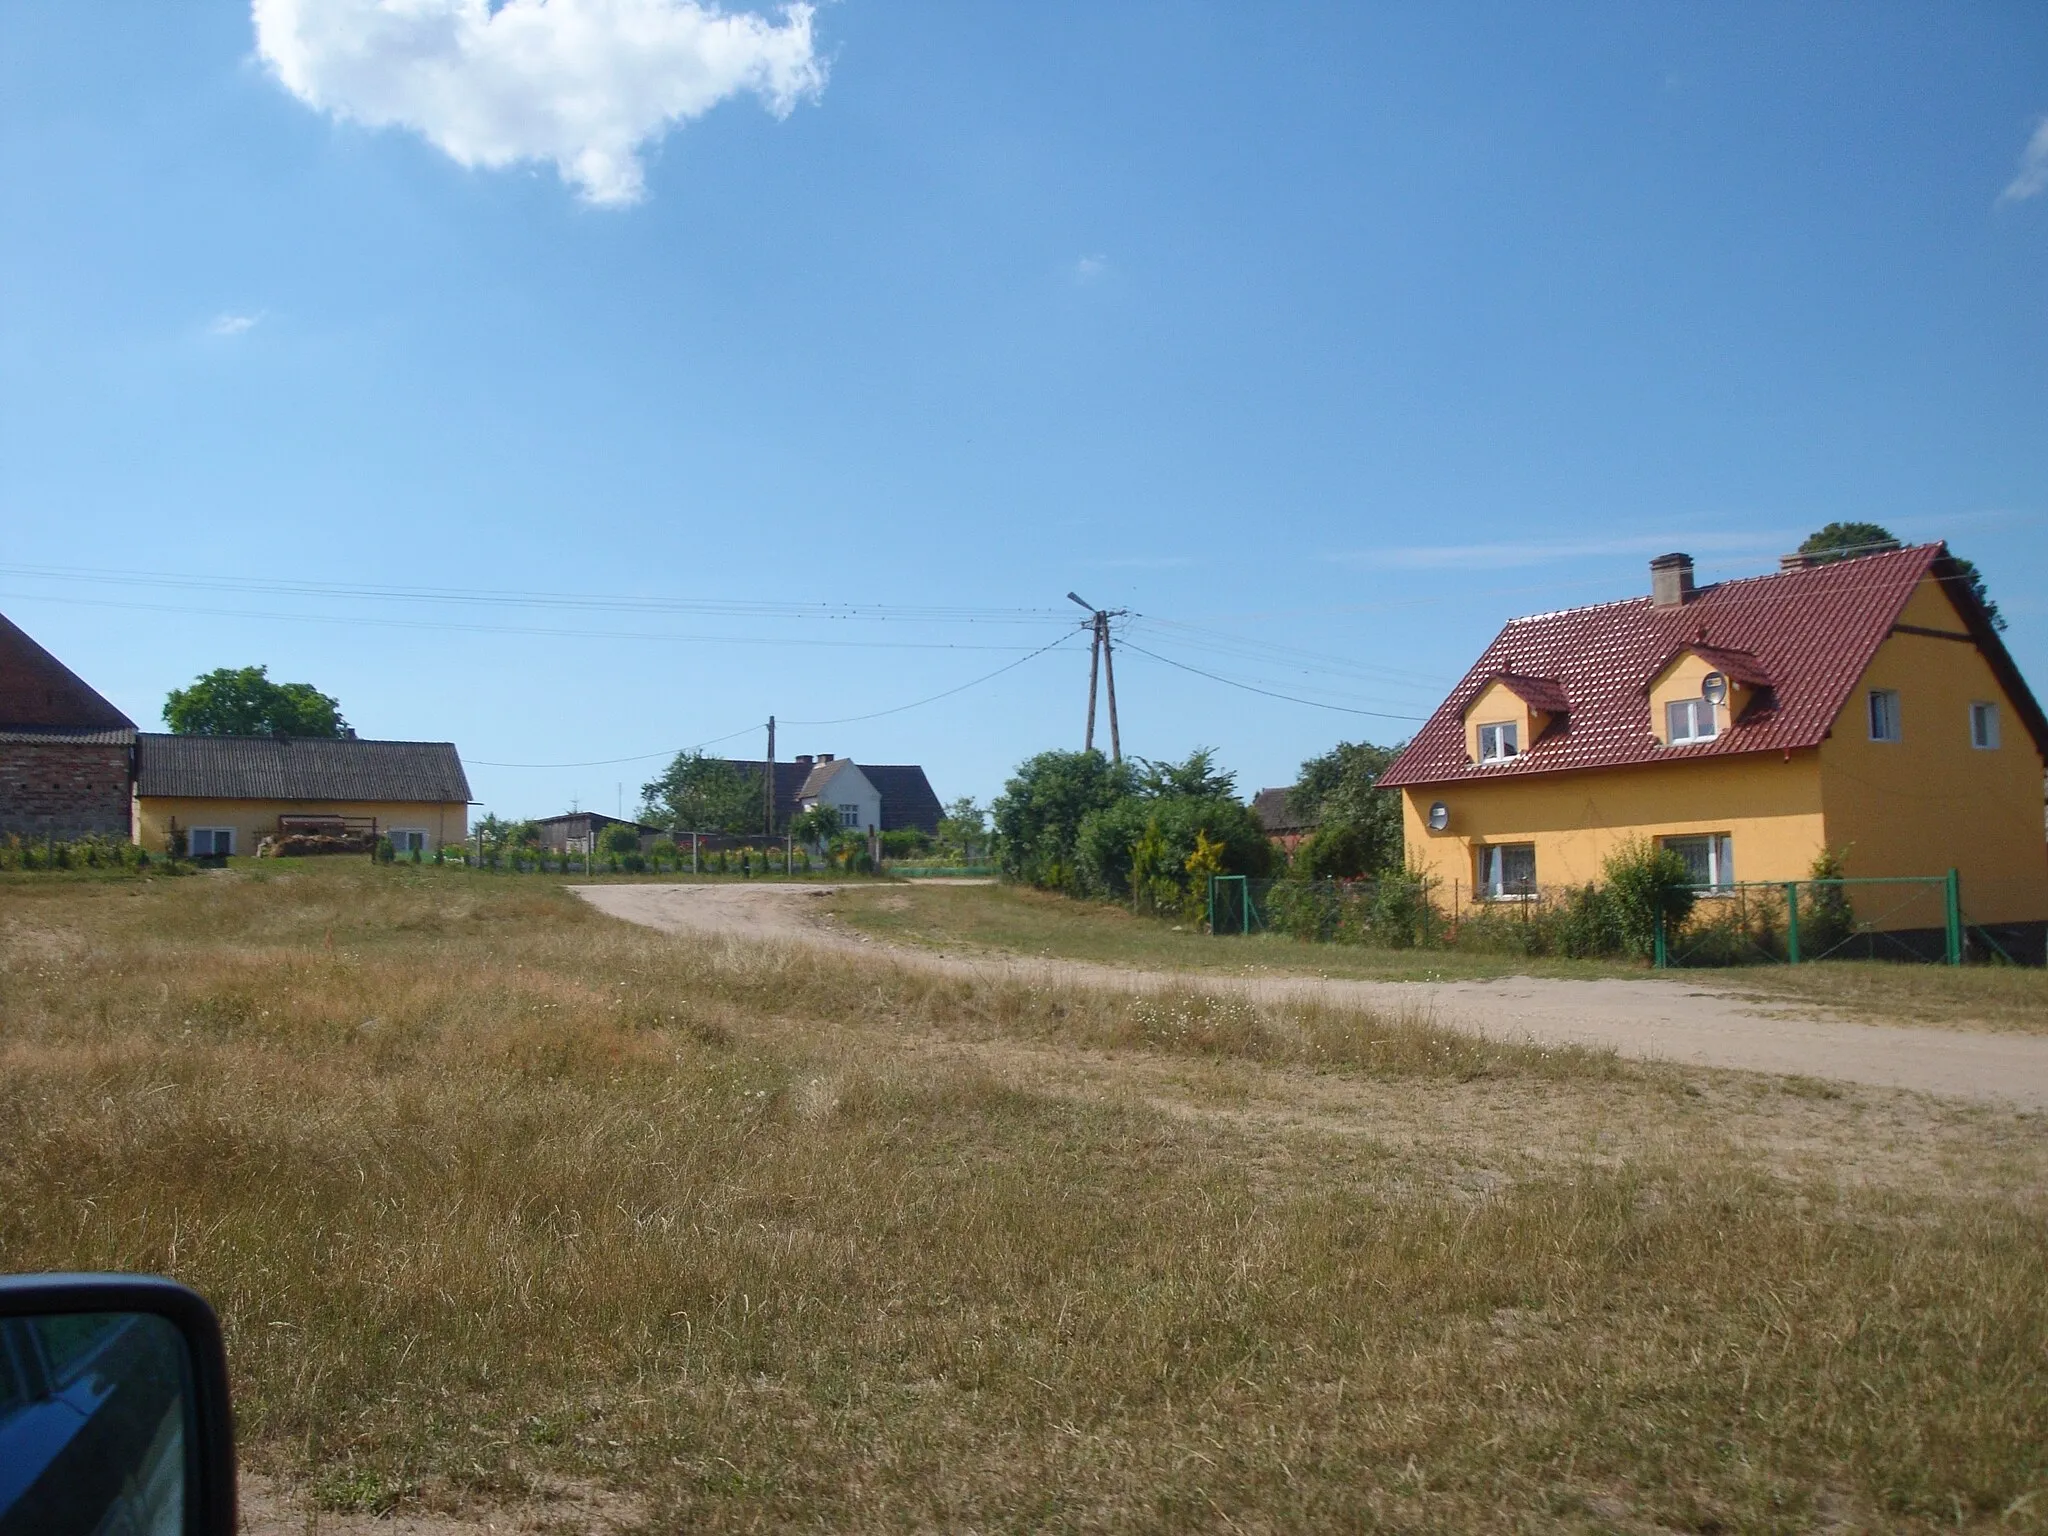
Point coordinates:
[(1099, 653), (768, 789)]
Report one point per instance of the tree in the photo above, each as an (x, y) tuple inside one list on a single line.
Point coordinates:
[(1039, 812), (243, 701), (1198, 777), (816, 827), (1358, 825), (696, 793), (1845, 541), (619, 839), (1161, 835), (964, 827)]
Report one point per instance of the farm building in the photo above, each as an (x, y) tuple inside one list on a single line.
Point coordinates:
[(226, 794), (1865, 706), (1274, 811), (66, 754)]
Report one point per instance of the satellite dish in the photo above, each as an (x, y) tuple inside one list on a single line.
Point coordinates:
[(1439, 816), (1714, 688)]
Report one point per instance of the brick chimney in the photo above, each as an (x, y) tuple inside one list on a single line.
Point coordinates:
[(804, 759), (824, 757), (1670, 581)]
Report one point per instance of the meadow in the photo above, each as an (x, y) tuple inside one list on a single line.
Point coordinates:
[(1012, 919), (499, 1198)]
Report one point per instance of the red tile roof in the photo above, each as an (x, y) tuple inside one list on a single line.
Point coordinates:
[(1810, 633), (1544, 693)]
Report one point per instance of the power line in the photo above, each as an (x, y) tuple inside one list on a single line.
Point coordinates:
[(512, 629), (606, 762), (999, 671), (1270, 693), (518, 598)]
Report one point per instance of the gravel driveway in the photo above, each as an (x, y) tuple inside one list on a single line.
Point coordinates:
[(1650, 1019)]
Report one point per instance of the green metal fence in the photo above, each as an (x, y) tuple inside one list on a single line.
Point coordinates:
[(1792, 922)]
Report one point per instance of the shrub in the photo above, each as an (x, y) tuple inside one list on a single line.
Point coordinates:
[(905, 843), (385, 853), (1646, 881), (617, 840), (1402, 915), (1342, 852), (1826, 918), (1586, 926)]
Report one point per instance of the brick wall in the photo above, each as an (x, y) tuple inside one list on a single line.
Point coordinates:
[(65, 788)]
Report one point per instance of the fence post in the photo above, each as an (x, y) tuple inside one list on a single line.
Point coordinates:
[(1212, 906), (1660, 957), (1791, 922), (1955, 917)]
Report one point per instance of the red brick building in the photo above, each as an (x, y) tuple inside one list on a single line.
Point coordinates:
[(67, 756)]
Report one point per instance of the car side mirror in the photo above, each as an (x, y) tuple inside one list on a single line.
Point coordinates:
[(113, 1409)]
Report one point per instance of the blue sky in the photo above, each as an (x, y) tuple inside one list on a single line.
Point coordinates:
[(802, 365)]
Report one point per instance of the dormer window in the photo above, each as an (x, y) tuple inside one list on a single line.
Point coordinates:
[(1687, 720), (1500, 741)]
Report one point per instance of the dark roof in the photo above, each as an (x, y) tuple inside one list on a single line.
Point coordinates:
[(1273, 809), (907, 798), (597, 817), (38, 689), (64, 736), (298, 768), (1811, 632)]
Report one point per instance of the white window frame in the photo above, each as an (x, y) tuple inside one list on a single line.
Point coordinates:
[(1500, 740), (1882, 705), (1720, 858), (849, 817), (1493, 883), (1984, 725), (192, 836), (408, 833), (1698, 719)]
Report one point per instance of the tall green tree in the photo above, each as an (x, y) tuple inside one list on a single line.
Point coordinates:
[(243, 701), (1040, 811), (1845, 541), (964, 827), (696, 793), (1358, 824), (1197, 777)]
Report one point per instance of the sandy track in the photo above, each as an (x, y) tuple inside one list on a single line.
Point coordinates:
[(1652, 1020)]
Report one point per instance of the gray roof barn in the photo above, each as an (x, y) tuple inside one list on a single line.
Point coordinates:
[(297, 768)]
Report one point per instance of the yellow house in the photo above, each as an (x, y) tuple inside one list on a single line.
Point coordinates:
[(1865, 706), (226, 794)]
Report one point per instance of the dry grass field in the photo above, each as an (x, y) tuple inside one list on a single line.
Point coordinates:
[(499, 1198), (1018, 920)]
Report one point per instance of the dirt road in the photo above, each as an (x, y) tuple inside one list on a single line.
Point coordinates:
[(1650, 1019)]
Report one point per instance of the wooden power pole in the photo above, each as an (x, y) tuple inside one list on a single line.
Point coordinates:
[(768, 788), (1099, 652)]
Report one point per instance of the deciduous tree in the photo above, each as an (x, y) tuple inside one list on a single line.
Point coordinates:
[(243, 701)]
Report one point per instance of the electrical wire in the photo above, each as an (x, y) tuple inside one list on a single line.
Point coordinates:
[(606, 762), (517, 598), (999, 671), (513, 629), (1377, 714)]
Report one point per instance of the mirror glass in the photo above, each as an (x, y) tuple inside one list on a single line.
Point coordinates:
[(94, 1410)]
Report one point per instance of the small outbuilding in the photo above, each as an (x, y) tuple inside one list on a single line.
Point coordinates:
[(226, 794)]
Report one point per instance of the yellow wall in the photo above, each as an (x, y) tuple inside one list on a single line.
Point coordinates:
[(1496, 704), (1769, 805), (253, 820), (1683, 679), (1930, 800)]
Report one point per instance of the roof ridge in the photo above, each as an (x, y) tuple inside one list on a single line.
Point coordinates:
[(1729, 581)]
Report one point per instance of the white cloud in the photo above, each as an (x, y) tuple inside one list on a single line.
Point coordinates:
[(2032, 179), (1508, 556), (232, 324), (584, 84), (1087, 269)]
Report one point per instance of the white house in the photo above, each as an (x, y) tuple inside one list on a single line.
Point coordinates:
[(839, 783)]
